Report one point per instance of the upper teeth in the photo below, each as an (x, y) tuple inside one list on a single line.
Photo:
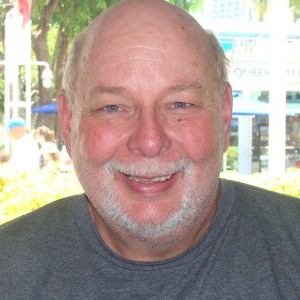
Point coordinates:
[(157, 179)]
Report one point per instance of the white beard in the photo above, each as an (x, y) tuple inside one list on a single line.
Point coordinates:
[(195, 205)]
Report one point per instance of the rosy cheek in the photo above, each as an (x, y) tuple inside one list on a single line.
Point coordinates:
[(100, 142), (201, 140)]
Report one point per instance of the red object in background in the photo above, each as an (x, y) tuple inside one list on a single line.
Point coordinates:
[(24, 9), (297, 164)]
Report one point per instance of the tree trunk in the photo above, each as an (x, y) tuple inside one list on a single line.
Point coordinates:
[(62, 43), (40, 48)]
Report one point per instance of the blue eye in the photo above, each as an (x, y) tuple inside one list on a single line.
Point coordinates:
[(112, 108), (180, 105)]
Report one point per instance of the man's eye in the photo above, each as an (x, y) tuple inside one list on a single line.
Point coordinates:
[(112, 108), (181, 105)]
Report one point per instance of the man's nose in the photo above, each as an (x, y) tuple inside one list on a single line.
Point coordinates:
[(149, 137)]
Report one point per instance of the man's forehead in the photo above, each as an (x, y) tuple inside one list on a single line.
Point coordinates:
[(144, 18), (116, 44), (133, 46), (149, 57), (154, 44)]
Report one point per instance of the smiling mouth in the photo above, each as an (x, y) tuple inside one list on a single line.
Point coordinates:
[(152, 180)]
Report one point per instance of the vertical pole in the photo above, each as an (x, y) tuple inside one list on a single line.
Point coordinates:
[(245, 145), (15, 90), (17, 53), (11, 65), (277, 116), (11, 70), (27, 34)]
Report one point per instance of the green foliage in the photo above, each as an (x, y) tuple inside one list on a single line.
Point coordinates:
[(232, 158), (288, 184), (262, 6), (295, 8), (85, 12), (189, 5), (23, 193), (2, 83), (52, 36)]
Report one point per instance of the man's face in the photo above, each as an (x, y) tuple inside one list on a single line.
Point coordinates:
[(148, 137), (15, 133)]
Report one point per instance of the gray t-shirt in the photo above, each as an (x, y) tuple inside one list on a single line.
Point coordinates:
[(250, 251)]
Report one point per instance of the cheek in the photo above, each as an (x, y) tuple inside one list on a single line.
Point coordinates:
[(97, 141), (201, 140)]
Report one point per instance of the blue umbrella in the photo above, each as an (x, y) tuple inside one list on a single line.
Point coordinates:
[(46, 109)]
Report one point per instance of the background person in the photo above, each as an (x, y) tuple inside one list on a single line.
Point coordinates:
[(50, 155), (4, 157), (145, 113), (47, 144), (44, 134), (25, 156), (66, 163)]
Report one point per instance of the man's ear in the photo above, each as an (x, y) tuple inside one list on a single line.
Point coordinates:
[(227, 114), (65, 119)]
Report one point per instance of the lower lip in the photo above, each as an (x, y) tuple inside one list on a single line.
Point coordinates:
[(150, 189)]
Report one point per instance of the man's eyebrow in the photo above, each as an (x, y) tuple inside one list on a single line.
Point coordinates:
[(114, 90), (185, 87), (117, 90)]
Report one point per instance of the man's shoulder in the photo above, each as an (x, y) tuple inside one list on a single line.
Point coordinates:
[(262, 203), (37, 245), (265, 230), (256, 191), (258, 195), (40, 221)]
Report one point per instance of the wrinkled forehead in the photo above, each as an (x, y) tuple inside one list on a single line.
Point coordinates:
[(154, 46), (135, 27)]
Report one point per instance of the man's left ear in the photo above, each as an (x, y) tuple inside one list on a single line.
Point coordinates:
[(227, 113), (65, 119)]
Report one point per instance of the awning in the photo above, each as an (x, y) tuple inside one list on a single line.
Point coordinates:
[(242, 106), (46, 109)]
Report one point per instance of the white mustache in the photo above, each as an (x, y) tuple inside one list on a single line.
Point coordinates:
[(156, 169)]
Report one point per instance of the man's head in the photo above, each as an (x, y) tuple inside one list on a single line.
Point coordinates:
[(145, 114), (16, 128), (81, 48)]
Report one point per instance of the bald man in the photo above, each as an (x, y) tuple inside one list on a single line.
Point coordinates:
[(145, 113)]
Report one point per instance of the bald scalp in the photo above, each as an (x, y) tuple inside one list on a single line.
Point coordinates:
[(141, 17)]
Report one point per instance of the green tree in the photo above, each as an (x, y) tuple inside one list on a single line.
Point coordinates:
[(262, 8), (295, 8), (189, 5)]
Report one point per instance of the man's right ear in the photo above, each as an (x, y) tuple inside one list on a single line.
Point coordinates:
[(65, 118)]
